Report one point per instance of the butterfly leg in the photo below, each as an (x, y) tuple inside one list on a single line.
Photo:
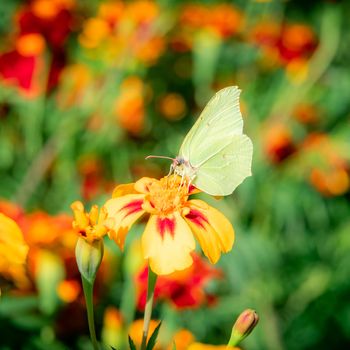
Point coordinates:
[(190, 183), (171, 170)]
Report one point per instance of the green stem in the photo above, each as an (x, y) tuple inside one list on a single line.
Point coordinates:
[(88, 292), (152, 279), (234, 340)]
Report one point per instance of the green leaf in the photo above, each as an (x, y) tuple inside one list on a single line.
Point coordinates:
[(152, 340), (10, 305), (131, 344)]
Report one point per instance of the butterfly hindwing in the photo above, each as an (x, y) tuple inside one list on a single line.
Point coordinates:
[(226, 169)]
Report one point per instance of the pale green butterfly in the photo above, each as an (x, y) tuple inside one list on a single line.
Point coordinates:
[(215, 155)]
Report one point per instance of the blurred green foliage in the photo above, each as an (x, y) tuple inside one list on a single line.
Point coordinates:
[(113, 105)]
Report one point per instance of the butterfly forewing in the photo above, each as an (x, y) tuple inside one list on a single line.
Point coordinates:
[(219, 121)]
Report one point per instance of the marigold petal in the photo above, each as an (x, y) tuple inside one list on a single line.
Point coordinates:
[(124, 211), (143, 184), (93, 215), (81, 219), (167, 242), (122, 190), (212, 229), (13, 249)]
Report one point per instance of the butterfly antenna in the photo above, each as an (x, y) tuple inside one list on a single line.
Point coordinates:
[(161, 157)]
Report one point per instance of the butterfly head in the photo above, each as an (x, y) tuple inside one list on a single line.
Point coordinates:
[(183, 168), (180, 166)]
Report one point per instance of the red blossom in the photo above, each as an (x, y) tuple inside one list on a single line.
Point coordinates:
[(19, 70), (185, 289), (55, 29)]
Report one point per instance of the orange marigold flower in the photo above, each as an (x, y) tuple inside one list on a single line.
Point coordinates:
[(168, 239), (91, 226)]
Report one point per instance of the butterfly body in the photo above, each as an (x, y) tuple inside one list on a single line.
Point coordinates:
[(183, 168)]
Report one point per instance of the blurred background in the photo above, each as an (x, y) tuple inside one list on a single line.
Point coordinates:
[(88, 89)]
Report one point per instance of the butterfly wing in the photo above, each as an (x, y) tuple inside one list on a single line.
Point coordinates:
[(227, 168), (220, 119)]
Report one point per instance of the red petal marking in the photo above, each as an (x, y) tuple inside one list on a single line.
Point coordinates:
[(191, 189), (197, 218), (132, 207), (164, 225)]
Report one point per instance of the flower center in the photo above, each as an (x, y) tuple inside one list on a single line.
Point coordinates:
[(168, 195)]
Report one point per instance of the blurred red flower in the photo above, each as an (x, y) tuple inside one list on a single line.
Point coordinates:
[(278, 143), (184, 289)]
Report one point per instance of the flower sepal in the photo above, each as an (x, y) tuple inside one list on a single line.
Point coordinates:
[(89, 257)]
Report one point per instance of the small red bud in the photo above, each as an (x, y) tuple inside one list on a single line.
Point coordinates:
[(243, 326)]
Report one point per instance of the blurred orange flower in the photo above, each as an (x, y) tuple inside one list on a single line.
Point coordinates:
[(297, 40), (278, 143), (129, 106), (148, 51), (184, 289), (42, 229), (113, 327), (306, 113), (111, 12), (74, 82), (224, 19), (95, 30), (142, 12), (331, 174), (200, 346), (48, 9), (172, 106), (68, 290), (136, 329), (182, 340), (13, 251), (284, 43), (174, 219), (32, 44)]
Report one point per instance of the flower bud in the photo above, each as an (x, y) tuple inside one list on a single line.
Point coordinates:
[(89, 256), (243, 326)]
